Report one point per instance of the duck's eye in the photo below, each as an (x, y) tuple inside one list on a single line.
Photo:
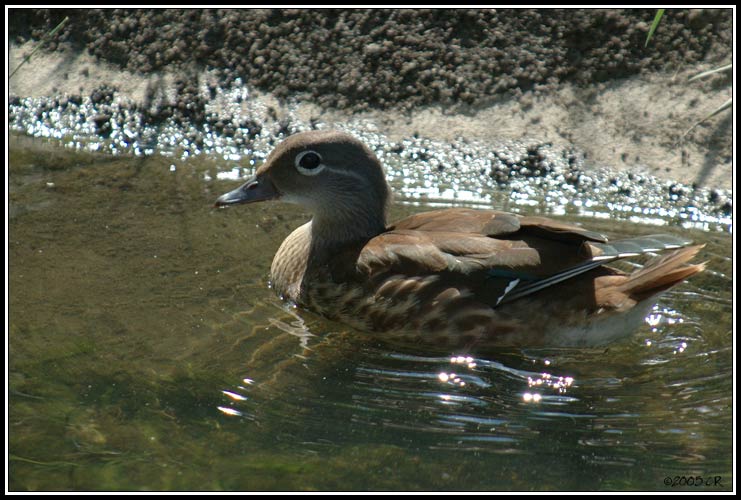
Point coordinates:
[(309, 163)]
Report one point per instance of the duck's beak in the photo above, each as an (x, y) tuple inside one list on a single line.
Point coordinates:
[(255, 189)]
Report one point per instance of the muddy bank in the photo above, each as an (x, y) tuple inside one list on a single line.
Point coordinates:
[(575, 78), (400, 58)]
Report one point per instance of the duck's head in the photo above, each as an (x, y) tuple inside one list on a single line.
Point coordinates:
[(331, 174)]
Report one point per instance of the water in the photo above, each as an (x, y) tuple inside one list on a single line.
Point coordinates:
[(146, 352)]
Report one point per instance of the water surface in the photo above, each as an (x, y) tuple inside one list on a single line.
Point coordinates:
[(146, 352)]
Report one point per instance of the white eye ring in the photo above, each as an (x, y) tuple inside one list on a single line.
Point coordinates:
[(308, 171)]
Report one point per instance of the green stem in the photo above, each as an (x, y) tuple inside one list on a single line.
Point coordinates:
[(41, 43), (654, 25)]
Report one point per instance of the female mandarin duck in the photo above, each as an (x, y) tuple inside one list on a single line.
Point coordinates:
[(453, 277)]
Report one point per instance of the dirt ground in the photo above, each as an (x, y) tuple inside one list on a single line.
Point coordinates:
[(578, 77)]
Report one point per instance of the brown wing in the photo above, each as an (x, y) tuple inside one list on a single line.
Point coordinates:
[(423, 252), (495, 223), (483, 253), (495, 254), (462, 220), (466, 241)]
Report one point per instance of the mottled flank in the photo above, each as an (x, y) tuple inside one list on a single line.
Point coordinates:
[(462, 308)]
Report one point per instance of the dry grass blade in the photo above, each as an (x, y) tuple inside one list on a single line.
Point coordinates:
[(723, 106), (710, 72)]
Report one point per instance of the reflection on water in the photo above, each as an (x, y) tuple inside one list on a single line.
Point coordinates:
[(147, 352)]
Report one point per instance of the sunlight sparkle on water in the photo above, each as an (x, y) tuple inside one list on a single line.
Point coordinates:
[(531, 397), (231, 175), (467, 360), (234, 395), (560, 384), (451, 378), (229, 411)]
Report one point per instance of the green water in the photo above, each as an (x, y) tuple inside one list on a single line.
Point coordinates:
[(146, 352)]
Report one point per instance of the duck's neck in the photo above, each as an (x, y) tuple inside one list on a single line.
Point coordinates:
[(312, 246), (334, 230)]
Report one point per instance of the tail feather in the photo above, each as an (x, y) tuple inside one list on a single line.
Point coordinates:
[(662, 273), (658, 275), (632, 247)]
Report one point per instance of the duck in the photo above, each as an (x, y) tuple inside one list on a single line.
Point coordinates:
[(453, 277)]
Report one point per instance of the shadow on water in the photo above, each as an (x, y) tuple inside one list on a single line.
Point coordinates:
[(147, 352)]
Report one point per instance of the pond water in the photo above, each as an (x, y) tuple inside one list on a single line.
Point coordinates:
[(146, 352)]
